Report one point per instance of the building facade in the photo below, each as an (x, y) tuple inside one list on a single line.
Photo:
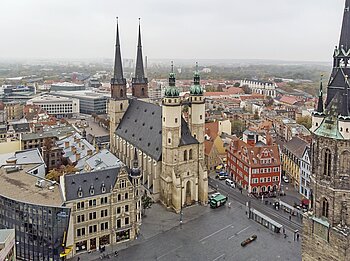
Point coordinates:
[(7, 245), (255, 167), (292, 158), (66, 86), (305, 173), (326, 232), (60, 107), (264, 88), (106, 207)]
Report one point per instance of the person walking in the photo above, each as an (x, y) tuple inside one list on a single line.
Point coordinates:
[(298, 237), (290, 217)]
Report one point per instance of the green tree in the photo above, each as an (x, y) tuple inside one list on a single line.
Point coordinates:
[(237, 84), (146, 203), (237, 127), (305, 121), (246, 89)]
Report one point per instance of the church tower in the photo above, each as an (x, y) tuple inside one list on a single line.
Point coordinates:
[(326, 227), (139, 81), (171, 135), (118, 103), (197, 127)]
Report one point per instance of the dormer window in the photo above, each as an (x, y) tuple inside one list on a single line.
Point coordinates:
[(80, 192), (103, 188), (91, 190)]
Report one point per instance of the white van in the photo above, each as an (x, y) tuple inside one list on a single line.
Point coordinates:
[(230, 183)]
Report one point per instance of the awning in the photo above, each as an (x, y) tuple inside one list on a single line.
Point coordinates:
[(66, 251)]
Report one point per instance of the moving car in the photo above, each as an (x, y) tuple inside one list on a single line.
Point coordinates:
[(230, 183), (222, 175), (218, 201), (213, 195)]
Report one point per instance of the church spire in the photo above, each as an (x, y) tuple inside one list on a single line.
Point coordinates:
[(196, 78), (135, 171), (118, 77), (139, 71), (344, 42), (320, 98), (172, 80)]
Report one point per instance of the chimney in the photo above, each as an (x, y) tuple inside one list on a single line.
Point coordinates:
[(66, 144), (77, 156)]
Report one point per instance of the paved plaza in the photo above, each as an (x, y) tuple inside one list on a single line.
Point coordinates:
[(206, 234)]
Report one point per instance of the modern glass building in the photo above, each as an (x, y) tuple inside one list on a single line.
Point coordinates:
[(34, 208)]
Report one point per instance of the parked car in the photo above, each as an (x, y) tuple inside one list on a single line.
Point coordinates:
[(249, 240), (230, 183), (222, 175)]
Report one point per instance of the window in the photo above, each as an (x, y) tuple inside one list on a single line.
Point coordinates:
[(119, 197), (327, 163), (121, 96), (80, 205), (126, 208), (169, 140), (81, 232), (126, 221), (119, 223), (118, 210), (92, 229), (104, 200), (325, 207), (80, 218), (175, 120), (190, 154), (104, 213), (200, 117), (92, 202), (92, 215), (185, 155), (104, 226)]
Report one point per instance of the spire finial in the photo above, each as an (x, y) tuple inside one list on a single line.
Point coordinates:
[(196, 66), (320, 97), (172, 66)]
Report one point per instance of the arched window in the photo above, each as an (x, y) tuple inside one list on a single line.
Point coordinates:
[(121, 106), (119, 197), (345, 162), (327, 163), (143, 91), (190, 154), (121, 93), (185, 155), (325, 208), (126, 196)]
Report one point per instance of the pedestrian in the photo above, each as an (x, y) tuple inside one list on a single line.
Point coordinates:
[(284, 230), (290, 217), (229, 204), (78, 258), (285, 235), (298, 237)]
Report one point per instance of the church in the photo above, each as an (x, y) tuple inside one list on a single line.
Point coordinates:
[(169, 149), (326, 227)]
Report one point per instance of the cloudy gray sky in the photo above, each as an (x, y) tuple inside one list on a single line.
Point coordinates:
[(304, 30)]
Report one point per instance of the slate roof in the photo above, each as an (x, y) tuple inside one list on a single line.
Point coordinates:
[(101, 160), (96, 180), (296, 146), (141, 125), (21, 127)]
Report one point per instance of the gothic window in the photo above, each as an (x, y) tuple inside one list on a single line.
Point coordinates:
[(325, 208), (185, 155), (190, 154), (121, 93), (327, 163), (345, 162), (121, 106), (143, 91), (169, 137)]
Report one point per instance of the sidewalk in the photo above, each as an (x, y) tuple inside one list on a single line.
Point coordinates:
[(157, 221)]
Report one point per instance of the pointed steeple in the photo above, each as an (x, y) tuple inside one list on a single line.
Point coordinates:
[(118, 77), (344, 42), (320, 98), (345, 101), (172, 80), (139, 71), (135, 171), (196, 78)]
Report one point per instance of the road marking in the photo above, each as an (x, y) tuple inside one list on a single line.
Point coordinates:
[(239, 232), (212, 234), (167, 253), (219, 257)]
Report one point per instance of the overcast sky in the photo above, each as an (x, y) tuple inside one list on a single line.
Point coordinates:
[(305, 30)]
